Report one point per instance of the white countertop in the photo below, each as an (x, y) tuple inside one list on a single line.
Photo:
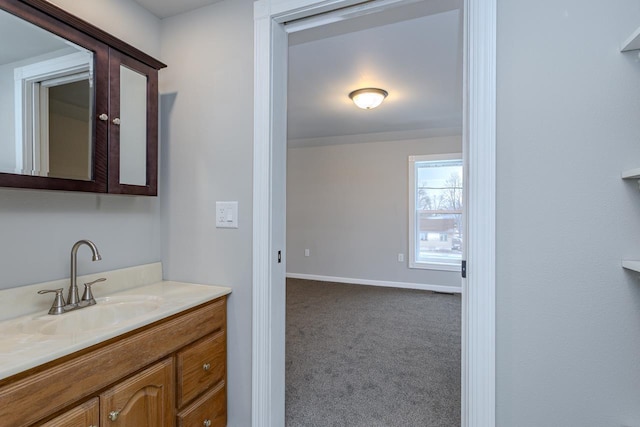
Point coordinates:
[(22, 349)]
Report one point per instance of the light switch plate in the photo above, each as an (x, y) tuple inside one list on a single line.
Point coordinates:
[(226, 214)]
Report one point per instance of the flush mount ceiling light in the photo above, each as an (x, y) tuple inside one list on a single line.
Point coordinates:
[(368, 98)]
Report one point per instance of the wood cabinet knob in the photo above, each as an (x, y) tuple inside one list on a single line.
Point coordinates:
[(103, 117), (206, 366), (207, 423)]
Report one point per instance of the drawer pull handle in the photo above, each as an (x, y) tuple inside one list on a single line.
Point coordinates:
[(113, 415), (207, 423), (206, 366)]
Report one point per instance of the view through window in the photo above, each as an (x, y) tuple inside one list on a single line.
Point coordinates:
[(436, 211)]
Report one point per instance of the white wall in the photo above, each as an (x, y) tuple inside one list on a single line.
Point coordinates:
[(348, 204), (568, 316), (207, 143), (38, 228)]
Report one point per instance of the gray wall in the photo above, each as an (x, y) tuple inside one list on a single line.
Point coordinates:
[(38, 228), (207, 147), (568, 316), (348, 204)]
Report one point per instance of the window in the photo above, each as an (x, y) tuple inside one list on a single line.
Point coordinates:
[(435, 211)]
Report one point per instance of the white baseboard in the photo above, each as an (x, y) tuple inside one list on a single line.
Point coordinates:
[(405, 285)]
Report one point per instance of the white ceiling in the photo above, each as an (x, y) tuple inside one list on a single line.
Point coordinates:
[(166, 8), (413, 52)]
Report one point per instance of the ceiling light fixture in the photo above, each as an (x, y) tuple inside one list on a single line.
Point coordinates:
[(368, 98)]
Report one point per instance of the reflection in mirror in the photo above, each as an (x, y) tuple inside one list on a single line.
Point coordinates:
[(46, 103), (69, 131), (133, 127)]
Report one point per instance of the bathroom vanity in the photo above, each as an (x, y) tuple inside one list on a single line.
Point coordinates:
[(150, 355)]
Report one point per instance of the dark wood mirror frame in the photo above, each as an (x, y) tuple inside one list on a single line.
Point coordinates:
[(107, 50)]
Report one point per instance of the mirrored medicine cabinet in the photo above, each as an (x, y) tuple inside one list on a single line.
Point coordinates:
[(78, 107)]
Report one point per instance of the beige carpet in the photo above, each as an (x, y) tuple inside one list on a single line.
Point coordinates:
[(371, 356)]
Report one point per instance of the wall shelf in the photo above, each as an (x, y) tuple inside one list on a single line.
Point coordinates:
[(632, 43), (631, 265), (631, 174)]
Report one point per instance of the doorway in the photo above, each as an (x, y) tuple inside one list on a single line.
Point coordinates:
[(478, 380), (348, 220)]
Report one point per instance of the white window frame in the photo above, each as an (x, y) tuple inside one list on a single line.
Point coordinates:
[(429, 265)]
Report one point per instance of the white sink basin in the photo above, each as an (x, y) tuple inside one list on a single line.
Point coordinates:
[(108, 312)]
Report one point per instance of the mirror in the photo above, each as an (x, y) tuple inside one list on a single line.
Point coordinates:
[(133, 127), (46, 103)]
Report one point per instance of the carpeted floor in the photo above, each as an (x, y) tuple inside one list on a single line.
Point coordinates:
[(371, 356)]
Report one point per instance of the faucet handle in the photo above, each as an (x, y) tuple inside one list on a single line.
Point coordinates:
[(58, 303), (88, 295)]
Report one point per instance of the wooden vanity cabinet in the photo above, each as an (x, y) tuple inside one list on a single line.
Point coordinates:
[(172, 372)]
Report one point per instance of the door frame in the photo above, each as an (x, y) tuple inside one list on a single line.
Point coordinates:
[(269, 190)]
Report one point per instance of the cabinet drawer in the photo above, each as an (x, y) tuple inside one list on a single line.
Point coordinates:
[(201, 366), (82, 415), (211, 407)]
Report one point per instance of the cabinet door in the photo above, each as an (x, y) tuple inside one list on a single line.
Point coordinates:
[(84, 415), (133, 126), (146, 399)]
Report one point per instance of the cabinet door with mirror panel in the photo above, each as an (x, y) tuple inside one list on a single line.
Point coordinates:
[(133, 131), (68, 120)]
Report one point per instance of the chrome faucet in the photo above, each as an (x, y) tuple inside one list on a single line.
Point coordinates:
[(73, 298)]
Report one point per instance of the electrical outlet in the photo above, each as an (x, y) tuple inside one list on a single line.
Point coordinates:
[(400, 257), (307, 252)]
